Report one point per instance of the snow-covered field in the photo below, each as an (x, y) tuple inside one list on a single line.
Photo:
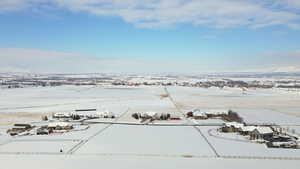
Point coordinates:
[(26, 103), (38, 146), (212, 98), (121, 146), (149, 140)]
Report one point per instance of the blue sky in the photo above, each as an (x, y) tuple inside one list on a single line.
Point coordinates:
[(149, 36)]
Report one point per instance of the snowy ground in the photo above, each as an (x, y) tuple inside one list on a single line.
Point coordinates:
[(213, 98), (121, 146), (150, 140)]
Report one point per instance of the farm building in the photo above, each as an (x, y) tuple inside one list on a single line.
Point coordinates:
[(42, 131), (85, 112), (151, 116), (246, 130), (287, 144), (19, 128), (283, 138), (197, 114), (61, 115), (105, 114), (231, 127), (93, 113), (59, 126), (216, 113), (265, 133)]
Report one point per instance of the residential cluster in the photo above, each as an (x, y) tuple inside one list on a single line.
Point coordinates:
[(83, 114), (147, 117), (224, 115), (272, 135), (60, 123), (45, 129)]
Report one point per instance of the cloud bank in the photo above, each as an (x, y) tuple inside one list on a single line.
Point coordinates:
[(165, 13), (43, 61)]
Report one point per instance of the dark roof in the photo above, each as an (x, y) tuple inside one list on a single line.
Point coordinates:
[(86, 110)]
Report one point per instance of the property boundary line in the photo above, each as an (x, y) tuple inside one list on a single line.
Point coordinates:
[(83, 142), (198, 130)]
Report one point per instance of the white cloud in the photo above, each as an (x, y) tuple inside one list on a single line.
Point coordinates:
[(292, 4), (15, 5), (159, 13)]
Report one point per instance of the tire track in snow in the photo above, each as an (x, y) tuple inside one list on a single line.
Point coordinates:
[(83, 142)]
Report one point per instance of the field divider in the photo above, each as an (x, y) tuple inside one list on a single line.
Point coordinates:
[(83, 142), (195, 127)]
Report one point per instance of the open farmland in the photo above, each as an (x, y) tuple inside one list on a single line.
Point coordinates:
[(144, 146)]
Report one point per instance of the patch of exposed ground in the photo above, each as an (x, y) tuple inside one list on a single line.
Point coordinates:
[(162, 96), (11, 118)]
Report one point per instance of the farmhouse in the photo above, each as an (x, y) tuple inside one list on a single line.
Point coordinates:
[(246, 130), (262, 132), (231, 127)]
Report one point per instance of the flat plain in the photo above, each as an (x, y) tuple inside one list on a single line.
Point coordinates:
[(142, 146)]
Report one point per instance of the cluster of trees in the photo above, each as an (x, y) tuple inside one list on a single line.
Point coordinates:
[(232, 116)]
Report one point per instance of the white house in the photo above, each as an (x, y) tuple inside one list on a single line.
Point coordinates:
[(262, 132)]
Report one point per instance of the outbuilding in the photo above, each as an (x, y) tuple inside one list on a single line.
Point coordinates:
[(19, 128)]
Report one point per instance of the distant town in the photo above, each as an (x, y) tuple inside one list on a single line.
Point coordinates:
[(242, 81)]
